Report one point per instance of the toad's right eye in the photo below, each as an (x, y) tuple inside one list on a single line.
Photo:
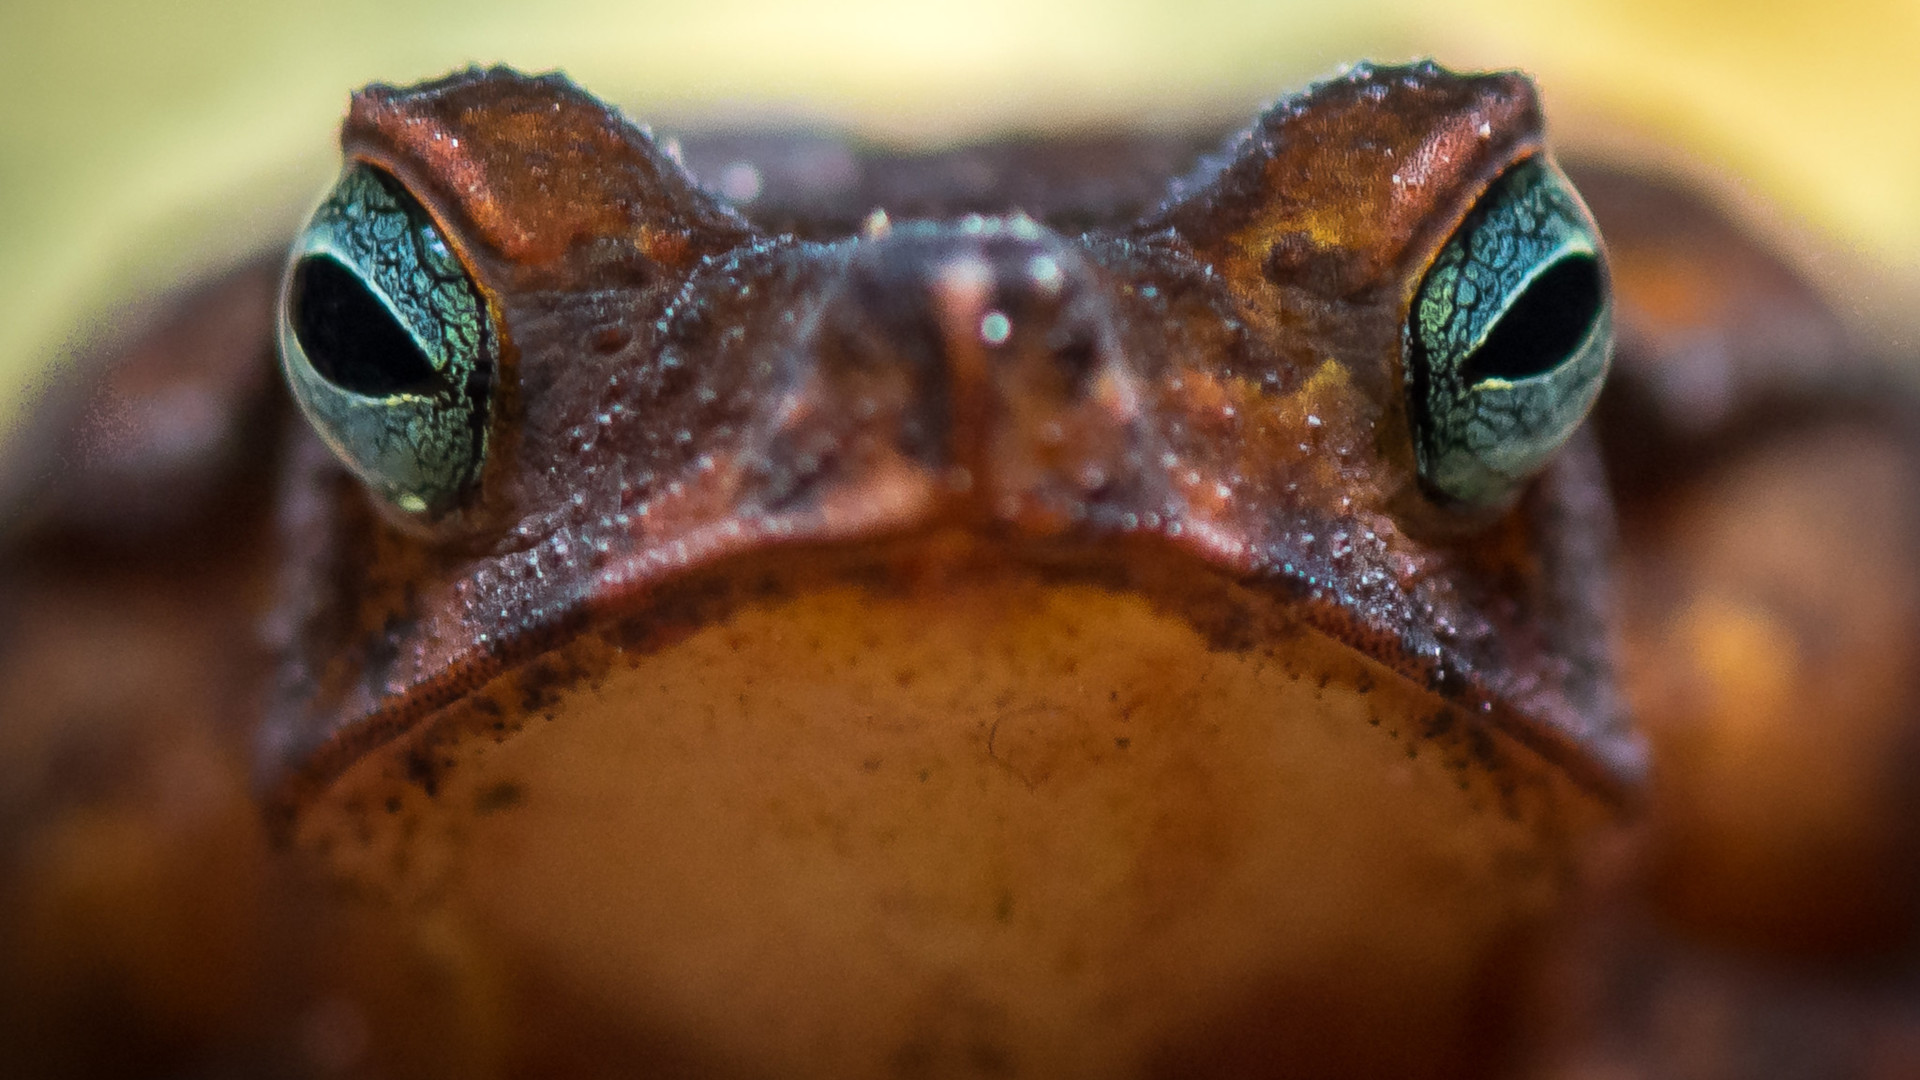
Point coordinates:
[(1508, 340), (389, 346)]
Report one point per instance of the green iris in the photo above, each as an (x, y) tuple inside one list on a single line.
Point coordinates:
[(388, 346), (1508, 340)]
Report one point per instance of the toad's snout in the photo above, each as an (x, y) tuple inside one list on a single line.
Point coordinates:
[(984, 356)]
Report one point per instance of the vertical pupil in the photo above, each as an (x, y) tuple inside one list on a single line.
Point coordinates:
[(1543, 325), (349, 336)]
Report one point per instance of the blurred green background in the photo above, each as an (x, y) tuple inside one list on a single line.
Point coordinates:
[(141, 141)]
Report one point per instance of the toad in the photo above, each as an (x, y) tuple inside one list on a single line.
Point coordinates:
[(951, 633)]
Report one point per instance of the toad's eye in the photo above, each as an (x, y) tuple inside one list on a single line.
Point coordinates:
[(1508, 339), (388, 345)]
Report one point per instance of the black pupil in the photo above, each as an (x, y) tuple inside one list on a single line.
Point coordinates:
[(1543, 326), (350, 337)]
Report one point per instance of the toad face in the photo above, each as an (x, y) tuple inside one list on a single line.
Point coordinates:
[(960, 644)]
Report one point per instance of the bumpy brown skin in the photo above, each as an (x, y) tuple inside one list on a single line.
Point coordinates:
[(1761, 924), (1215, 388), (1762, 920)]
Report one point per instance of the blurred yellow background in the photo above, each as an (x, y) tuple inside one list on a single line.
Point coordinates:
[(142, 141)]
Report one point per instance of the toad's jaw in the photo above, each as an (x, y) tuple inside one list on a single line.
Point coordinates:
[(990, 813)]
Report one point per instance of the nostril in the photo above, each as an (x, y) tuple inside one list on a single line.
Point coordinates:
[(1074, 352)]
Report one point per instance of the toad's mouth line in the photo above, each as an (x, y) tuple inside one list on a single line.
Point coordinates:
[(714, 582)]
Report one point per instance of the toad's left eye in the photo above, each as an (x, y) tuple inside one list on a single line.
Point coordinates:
[(388, 345), (1508, 340)]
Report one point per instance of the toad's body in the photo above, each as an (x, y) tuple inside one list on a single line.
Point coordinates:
[(955, 648)]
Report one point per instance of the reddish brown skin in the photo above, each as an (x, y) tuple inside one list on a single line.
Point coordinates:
[(1161, 410), (1762, 919), (1772, 962)]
